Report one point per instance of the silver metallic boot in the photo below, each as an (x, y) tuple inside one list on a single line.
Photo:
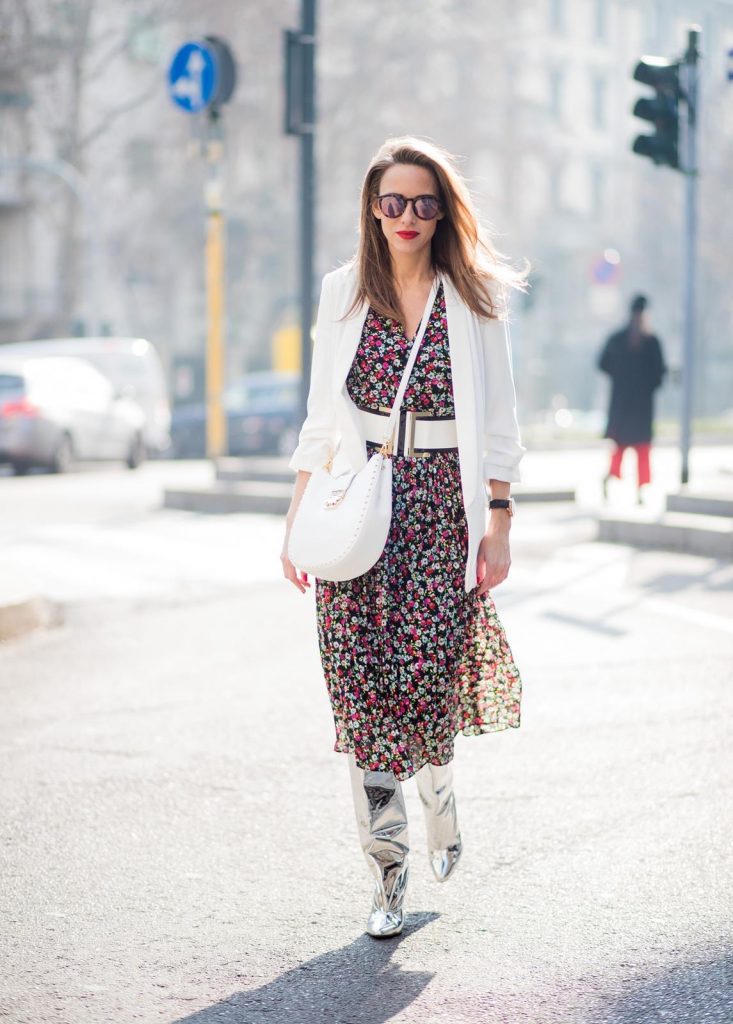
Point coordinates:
[(382, 821), (435, 786)]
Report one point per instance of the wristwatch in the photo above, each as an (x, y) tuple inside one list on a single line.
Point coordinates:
[(507, 503)]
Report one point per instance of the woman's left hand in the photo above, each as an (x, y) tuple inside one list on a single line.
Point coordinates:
[(492, 566)]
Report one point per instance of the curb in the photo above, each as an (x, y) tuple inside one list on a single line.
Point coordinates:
[(701, 504), (24, 616), (258, 497), (272, 497), (688, 533)]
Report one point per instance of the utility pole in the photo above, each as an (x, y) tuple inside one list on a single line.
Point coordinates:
[(691, 95), (300, 119), (674, 144)]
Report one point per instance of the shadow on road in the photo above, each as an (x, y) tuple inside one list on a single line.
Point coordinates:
[(353, 985), (686, 994)]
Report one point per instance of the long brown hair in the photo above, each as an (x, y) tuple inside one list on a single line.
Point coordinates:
[(459, 247)]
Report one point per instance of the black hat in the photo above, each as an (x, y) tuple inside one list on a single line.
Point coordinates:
[(639, 303)]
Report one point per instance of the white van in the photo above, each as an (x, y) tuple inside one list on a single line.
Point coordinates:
[(131, 364)]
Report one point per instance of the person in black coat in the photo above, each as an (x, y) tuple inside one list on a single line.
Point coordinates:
[(633, 359)]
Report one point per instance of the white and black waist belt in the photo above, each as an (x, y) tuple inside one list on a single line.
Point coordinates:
[(418, 433)]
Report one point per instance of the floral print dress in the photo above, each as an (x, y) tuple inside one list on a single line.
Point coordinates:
[(409, 657)]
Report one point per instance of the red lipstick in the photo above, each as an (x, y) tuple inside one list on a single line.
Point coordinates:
[(408, 234)]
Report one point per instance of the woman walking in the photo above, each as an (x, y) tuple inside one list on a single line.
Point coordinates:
[(413, 652), (632, 358)]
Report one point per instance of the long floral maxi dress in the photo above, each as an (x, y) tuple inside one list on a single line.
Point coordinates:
[(409, 657)]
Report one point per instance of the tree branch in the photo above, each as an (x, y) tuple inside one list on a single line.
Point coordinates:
[(120, 111)]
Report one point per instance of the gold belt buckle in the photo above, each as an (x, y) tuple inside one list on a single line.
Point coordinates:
[(408, 449), (412, 416)]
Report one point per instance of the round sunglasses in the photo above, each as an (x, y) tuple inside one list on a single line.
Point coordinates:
[(392, 205)]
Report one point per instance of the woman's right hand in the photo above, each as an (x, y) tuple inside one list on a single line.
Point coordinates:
[(297, 578)]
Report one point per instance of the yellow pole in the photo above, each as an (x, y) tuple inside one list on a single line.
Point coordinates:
[(215, 422), (216, 439)]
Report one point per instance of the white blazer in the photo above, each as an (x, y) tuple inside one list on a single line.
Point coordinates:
[(489, 446)]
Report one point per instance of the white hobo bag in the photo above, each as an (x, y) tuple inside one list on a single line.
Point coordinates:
[(342, 522)]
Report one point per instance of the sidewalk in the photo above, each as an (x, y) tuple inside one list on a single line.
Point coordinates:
[(550, 473)]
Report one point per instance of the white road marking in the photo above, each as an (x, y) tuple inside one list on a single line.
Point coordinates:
[(697, 615)]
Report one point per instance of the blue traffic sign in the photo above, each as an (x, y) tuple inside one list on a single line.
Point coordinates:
[(192, 77)]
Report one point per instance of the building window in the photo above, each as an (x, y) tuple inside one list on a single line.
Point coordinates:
[(557, 15), (652, 26), (601, 20), (555, 92), (598, 186), (598, 94)]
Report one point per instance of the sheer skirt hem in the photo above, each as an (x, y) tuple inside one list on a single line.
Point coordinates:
[(346, 746)]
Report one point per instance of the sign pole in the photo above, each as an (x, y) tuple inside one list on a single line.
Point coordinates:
[(202, 77), (691, 91), (216, 439)]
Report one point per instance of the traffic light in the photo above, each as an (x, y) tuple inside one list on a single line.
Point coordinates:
[(662, 110)]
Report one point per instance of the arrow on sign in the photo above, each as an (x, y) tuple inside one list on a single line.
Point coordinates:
[(188, 86), (192, 77)]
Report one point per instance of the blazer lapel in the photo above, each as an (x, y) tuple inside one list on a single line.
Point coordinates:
[(460, 343), (348, 342), (348, 334)]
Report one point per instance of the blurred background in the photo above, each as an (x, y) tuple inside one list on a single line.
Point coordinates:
[(535, 96)]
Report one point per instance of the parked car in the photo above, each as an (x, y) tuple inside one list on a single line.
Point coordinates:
[(261, 413), (56, 409), (133, 367)]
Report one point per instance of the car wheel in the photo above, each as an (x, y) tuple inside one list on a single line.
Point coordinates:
[(62, 456), (136, 454)]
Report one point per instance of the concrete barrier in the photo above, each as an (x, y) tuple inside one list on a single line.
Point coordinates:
[(701, 504), (689, 533)]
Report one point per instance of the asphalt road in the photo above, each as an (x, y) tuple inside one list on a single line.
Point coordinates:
[(176, 834)]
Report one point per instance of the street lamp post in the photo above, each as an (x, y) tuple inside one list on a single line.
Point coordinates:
[(300, 119)]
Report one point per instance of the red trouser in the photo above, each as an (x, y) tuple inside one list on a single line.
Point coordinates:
[(642, 461)]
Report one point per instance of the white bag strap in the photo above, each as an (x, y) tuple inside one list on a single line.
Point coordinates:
[(394, 414)]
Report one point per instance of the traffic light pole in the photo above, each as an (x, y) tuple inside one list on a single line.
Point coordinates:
[(692, 95), (307, 194), (300, 119)]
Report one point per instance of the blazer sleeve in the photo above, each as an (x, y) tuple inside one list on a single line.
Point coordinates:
[(318, 435), (502, 446)]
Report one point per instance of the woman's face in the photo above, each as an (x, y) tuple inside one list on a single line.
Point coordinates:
[(407, 233)]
